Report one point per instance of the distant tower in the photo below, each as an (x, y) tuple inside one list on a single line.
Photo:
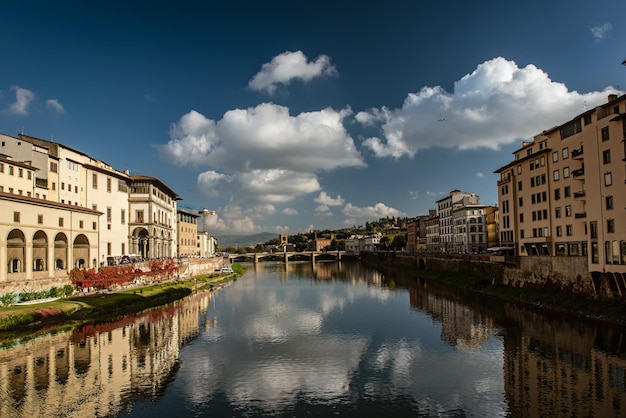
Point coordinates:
[(283, 239)]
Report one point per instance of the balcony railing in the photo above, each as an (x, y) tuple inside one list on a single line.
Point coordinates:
[(504, 181), (577, 152), (578, 173), (581, 215), (580, 194)]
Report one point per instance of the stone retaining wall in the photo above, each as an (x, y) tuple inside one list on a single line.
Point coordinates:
[(563, 274)]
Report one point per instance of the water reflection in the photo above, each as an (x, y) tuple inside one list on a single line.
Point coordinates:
[(319, 339), (94, 369)]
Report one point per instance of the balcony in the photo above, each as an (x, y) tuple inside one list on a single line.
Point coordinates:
[(581, 215), (578, 195), (577, 153), (578, 173), (41, 183), (504, 181)]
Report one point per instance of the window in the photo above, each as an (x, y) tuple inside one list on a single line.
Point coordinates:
[(109, 184), (565, 153), (80, 224), (94, 226), (555, 156), (519, 185), (123, 216), (568, 230), (608, 179), (60, 221), (568, 210), (519, 169), (610, 225), (595, 255), (559, 232), (139, 216), (521, 202), (557, 194), (594, 229), (109, 214), (20, 172), (16, 217), (557, 212), (94, 180), (609, 202), (62, 186), (53, 167), (521, 218), (40, 219), (54, 185), (605, 133), (555, 175), (606, 156), (10, 170), (565, 172), (567, 191)]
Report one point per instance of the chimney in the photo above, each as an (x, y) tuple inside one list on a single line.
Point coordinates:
[(612, 97)]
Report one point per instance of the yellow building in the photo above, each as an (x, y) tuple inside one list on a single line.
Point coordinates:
[(564, 192), (187, 229)]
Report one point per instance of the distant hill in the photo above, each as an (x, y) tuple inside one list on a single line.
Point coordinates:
[(225, 241)]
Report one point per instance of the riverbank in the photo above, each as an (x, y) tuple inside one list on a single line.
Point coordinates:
[(105, 305), (608, 311)]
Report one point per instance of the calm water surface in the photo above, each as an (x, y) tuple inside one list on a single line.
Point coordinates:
[(321, 340)]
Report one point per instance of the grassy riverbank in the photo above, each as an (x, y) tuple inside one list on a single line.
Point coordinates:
[(103, 306), (611, 312)]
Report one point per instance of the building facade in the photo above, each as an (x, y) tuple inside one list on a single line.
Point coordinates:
[(187, 232), (564, 192), (153, 207)]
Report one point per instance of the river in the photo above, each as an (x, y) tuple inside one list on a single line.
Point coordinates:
[(317, 340)]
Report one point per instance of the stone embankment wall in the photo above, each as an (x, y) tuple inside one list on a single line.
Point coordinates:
[(564, 274), (190, 267)]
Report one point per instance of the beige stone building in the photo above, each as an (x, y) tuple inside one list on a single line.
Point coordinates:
[(152, 226), (42, 241), (71, 177), (187, 232), (564, 192)]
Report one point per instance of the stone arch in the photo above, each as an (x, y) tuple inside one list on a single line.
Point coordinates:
[(81, 251), (40, 251), (16, 251), (141, 242), (60, 251)]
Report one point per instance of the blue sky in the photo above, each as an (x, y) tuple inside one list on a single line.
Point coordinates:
[(286, 116)]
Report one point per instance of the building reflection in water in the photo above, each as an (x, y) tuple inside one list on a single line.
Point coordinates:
[(552, 366), (93, 370)]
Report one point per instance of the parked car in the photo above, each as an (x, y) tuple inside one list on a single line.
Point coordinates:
[(226, 269)]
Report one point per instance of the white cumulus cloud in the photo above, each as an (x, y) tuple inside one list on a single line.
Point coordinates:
[(55, 105), (289, 211), (379, 210), (288, 66), (262, 154), (325, 199), (23, 99), (498, 103), (600, 32)]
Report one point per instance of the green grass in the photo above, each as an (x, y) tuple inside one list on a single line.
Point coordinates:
[(99, 307)]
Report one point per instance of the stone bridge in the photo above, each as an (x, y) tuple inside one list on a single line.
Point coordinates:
[(311, 255)]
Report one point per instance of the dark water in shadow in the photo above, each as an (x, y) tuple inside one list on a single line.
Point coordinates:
[(320, 340)]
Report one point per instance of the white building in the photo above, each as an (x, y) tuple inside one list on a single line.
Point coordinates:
[(152, 225)]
